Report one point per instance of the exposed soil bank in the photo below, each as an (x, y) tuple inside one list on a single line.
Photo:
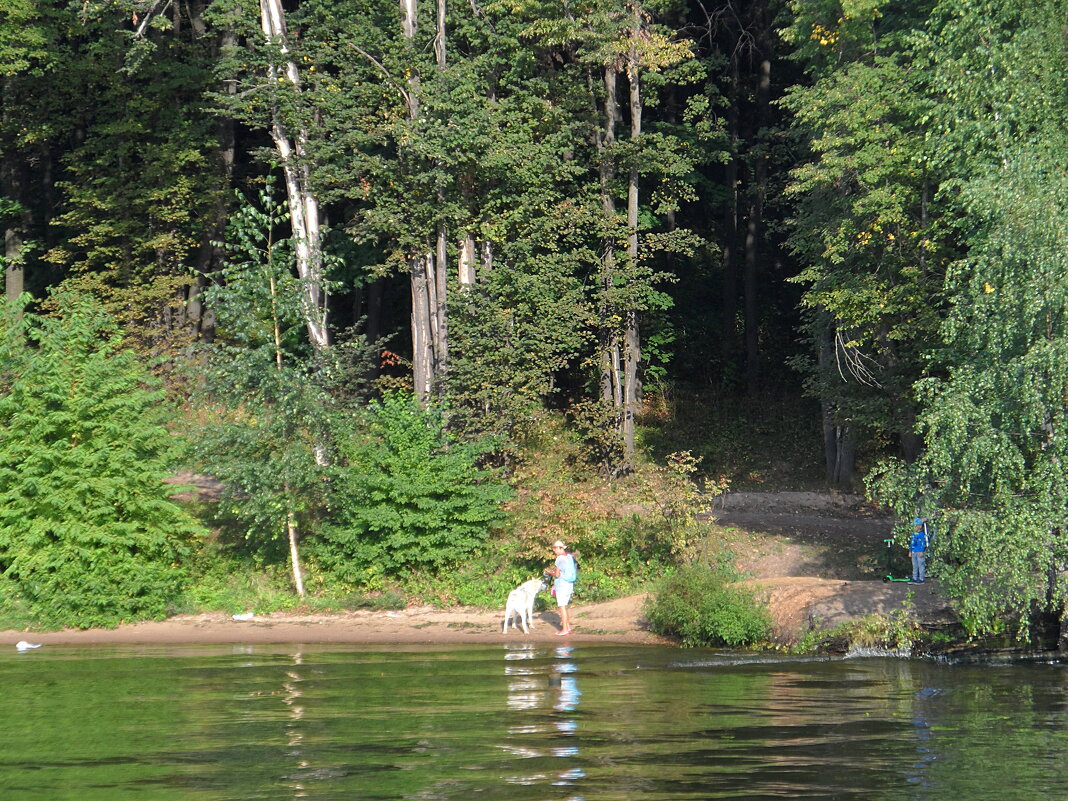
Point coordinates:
[(821, 558)]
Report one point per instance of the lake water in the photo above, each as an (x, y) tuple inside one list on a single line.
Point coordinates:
[(522, 722)]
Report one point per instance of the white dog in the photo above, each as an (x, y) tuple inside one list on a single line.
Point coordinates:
[(521, 604)]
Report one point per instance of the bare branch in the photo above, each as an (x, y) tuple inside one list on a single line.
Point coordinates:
[(373, 60), (852, 360), (154, 11)]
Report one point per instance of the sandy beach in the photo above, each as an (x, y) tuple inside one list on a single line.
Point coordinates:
[(615, 621), (796, 604)]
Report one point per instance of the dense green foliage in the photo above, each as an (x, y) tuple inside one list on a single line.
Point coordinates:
[(700, 606), (88, 534), (381, 486), (404, 497), (930, 221), (993, 403), (994, 465), (268, 413)]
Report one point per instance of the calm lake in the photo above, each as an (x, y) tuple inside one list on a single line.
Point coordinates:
[(522, 722)]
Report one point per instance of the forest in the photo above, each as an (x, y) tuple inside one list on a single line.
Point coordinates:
[(406, 280)]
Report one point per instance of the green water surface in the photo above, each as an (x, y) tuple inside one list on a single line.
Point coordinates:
[(522, 722)]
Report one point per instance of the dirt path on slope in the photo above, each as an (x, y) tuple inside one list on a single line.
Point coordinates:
[(820, 558)]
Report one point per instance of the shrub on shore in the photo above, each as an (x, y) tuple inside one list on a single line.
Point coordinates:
[(89, 535), (700, 606)]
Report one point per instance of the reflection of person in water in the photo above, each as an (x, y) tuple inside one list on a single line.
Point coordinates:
[(924, 734), (567, 697), (564, 679)]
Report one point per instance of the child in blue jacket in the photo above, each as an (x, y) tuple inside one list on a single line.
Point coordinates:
[(918, 550)]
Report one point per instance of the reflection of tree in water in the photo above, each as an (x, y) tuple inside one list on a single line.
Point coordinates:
[(525, 694), (294, 732)]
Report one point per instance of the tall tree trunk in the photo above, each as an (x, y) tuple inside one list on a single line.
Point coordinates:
[(433, 314), (303, 202), (610, 384), (911, 441), (729, 295), (371, 310), (292, 532), (46, 187), (839, 449), (428, 270), (439, 36), (373, 330), (422, 336), (824, 358), (294, 551), (441, 261), (422, 365), (14, 264), (753, 238), (441, 275), (839, 439), (631, 337), (845, 474), (11, 187), (212, 253), (468, 258), (14, 271)]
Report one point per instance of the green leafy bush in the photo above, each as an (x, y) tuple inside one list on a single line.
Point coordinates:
[(88, 534), (896, 631), (404, 497), (699, 606)]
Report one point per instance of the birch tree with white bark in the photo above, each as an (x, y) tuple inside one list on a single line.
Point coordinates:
[(292, 147)]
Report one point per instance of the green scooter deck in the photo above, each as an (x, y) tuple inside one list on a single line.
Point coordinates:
[(889, 541)]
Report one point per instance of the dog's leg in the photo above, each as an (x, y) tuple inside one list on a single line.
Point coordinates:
[(523, 616)]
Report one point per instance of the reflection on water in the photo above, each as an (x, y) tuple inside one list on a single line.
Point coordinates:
[(534, 685), (924, 734), (522, 722), (294, 734)]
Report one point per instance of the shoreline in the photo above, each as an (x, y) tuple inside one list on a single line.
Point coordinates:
[(615, 622), (797, 605)]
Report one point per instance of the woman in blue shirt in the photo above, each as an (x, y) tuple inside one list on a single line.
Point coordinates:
[(565, 572)]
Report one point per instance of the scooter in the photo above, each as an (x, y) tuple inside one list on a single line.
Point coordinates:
[(890, 560)]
